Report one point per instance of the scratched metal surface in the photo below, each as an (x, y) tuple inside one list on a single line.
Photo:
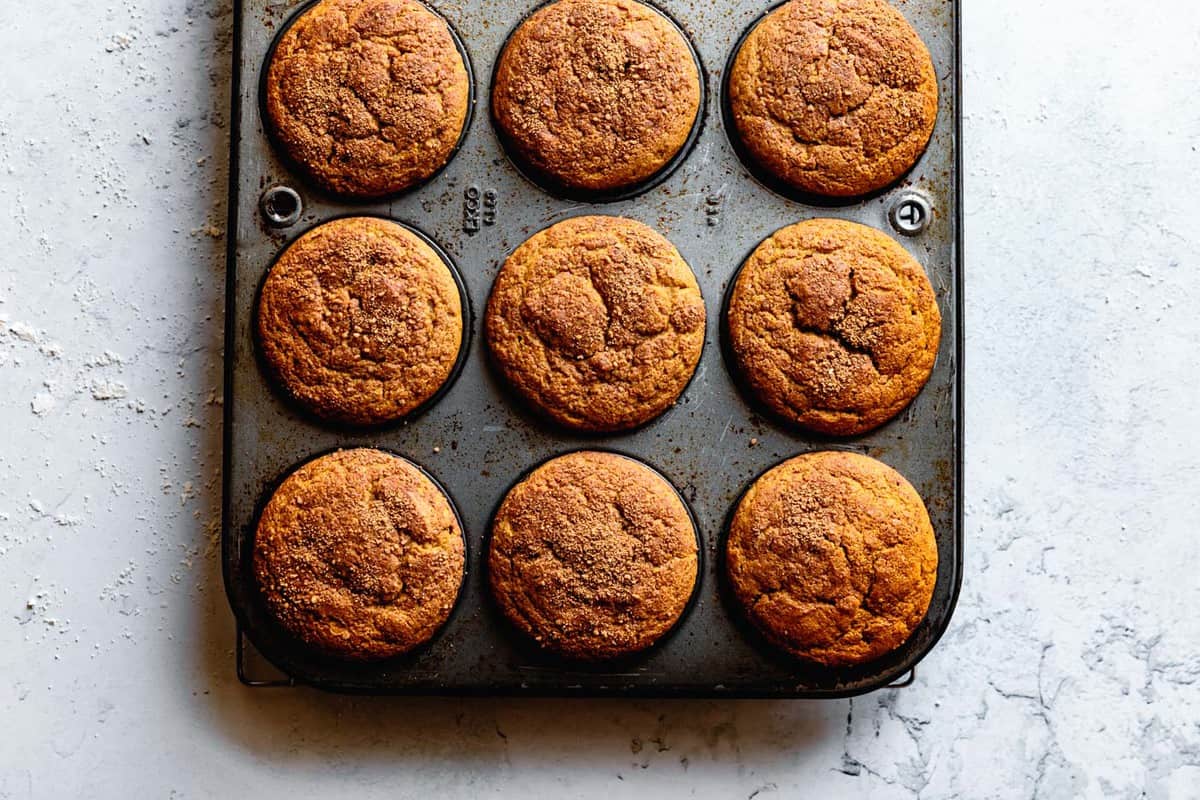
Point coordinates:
[(476, 441)]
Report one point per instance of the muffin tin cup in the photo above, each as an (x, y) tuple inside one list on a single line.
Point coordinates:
[(746, 391), (535, 653), (529, 412), (464, 348), (291, 654), (764, 176), (811, 671), (298, 169), (555, 188), (479, 438)]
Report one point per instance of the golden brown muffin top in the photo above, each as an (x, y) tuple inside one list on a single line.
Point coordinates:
[(598, 322), (833, 557), (593, 556), (834, 97), (360, 321), (834, 326), (596, 94), (368, 97), (359, 554)]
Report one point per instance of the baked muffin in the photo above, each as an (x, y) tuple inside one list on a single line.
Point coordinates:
[(596, 95), (593, 556), (833, 558), (359, 555), (367, 97), (833, 326), (834, 97), (360, 321), (597, 322)]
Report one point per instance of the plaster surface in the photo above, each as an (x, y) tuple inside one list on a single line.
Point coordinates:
[(1072, 668)]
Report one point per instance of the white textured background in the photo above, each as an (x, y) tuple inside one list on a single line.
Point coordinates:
[(1072, 667)]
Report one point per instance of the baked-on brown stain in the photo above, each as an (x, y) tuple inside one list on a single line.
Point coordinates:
[(598, 322), (368, 97), (593, 556), (834, 97), (360, 321), (596, 94), (359, 555), (834, 326), (833, 557)]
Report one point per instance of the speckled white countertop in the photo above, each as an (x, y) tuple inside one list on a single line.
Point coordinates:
[(1072, 668)]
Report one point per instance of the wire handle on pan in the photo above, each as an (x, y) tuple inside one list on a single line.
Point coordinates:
[(256, 683), (905, 682)]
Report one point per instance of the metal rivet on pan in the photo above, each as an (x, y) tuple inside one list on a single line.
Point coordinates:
[(281, 206), (910, 214)]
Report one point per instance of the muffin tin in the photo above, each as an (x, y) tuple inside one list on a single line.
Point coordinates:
[(477, 440)]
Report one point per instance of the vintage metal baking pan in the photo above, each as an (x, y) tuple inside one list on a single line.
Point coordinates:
[(476, 440)]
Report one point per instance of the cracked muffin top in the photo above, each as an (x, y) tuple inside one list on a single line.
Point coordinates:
[(833, 558), (597, 322), (593, 556), (833, 326), (367, 97), (360, 321), (834, 97), (360, 555), (596, 94)]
